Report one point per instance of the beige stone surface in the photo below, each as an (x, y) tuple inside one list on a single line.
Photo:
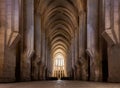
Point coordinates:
[(60, 84)]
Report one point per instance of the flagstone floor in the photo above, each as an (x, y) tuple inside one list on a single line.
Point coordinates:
[(60, 84)]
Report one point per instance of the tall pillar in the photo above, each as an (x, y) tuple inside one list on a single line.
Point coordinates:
[(28, 40), (2, 36), (37, 46), (92, 39), (82, 45), (112, 36), (72, 52), (75, 73), (43, 42), (78, 71), (102, 43), (9, 38), (76, 46)]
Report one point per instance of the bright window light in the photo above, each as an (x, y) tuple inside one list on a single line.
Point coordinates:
[(59, 60)]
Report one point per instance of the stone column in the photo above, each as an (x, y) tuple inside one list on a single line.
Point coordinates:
[(2, 36), (69, 63), (10, 36), (92, 39), (49, 67), (47, 63), (43, 41), (73, 55), (72, 52), (82, 45), (44, 69), (76, 46), (37, 46), (75, 73), (112, 36), (41, 72), (78, 71), (28, 40)]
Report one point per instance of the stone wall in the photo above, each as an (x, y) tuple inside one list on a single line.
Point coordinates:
[(10, 37), (112, 36), (2, 36)]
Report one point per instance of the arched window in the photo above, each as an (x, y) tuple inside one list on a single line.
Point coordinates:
[(59, 65), (59, 60)]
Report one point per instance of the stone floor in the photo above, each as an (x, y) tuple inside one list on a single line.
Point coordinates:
[(60, 84)]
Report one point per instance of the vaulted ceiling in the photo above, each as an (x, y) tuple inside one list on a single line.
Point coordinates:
[(59, 22)]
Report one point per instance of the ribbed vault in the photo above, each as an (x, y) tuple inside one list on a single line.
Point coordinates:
[(59, 23)]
